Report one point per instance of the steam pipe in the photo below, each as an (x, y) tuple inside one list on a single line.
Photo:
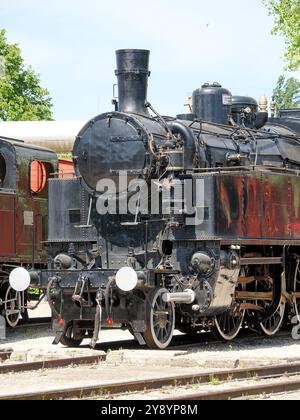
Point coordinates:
[(189, 141)]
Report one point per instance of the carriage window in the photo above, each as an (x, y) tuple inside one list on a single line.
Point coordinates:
[(39, 174), (2, 170)]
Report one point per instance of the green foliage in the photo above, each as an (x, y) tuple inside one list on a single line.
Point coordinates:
[(34, 294), (287, 23), (21, 96), (287, 93), (65, 156), (213, 381)]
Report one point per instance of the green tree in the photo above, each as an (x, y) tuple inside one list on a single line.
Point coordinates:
[(287, 23), (21, 95), (287, 93)]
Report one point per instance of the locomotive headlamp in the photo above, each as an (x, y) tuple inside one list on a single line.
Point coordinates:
[(126, 279), (19, 279)]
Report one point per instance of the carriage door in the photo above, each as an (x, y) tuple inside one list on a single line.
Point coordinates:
[(40, 172), (7, 216)]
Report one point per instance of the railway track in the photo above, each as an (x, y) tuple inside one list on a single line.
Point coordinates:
[(33, 322), (180, 342), (186, 343), (238, 392), (264, 376), (51, 364)]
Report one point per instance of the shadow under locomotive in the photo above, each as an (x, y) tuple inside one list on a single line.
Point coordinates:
[(154, 273)]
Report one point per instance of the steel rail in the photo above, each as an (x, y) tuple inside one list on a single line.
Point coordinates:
[(240, 392), (33, 322), (183, 343), (115, 346), (204, 339), (51, 364), (121, 388)]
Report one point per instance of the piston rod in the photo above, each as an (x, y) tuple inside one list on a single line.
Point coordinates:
[(187, 297)]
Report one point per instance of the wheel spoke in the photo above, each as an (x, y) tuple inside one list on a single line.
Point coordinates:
[(272, 325), (161, 335), (156, 330), (224, 321), (11, 307), (227, 325), (160, 320)]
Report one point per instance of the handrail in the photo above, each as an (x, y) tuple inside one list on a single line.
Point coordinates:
[(250, 168)]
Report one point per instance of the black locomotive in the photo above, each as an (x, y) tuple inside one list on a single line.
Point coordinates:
[(188, 223)]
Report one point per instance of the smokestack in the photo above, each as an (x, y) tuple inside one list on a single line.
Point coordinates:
[(133, 72)]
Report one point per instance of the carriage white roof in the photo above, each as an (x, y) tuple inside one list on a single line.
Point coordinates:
[(58, 136)]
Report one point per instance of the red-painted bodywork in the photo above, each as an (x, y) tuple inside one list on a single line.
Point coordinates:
[(258, 205), (66, 169), (24, 203)]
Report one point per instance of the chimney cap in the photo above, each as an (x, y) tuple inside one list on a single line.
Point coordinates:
[(131, 50)]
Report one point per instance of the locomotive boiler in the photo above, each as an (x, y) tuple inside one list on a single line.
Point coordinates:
[(189, 223), (288, 118)]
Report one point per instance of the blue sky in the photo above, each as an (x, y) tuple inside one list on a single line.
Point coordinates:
[(72, 43)]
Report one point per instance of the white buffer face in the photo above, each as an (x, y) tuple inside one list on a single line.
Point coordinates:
[(19, 279), (126, 279)]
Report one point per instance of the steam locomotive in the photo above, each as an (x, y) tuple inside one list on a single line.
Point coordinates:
[(189, 223)]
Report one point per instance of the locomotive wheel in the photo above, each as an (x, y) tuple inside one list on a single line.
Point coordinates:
[(297, 289), (12, 306), (68, 339), (160, 320), (228, 325), (271, 326)]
